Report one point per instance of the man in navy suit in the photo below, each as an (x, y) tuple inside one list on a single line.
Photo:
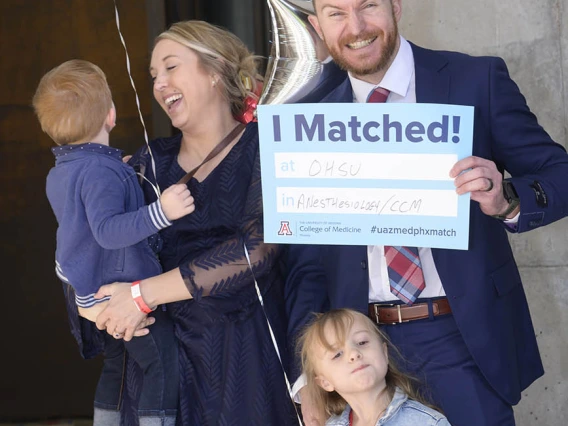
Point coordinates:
[(469, 335)]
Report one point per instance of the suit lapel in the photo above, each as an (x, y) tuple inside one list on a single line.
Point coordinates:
[(433, 86), (432, 76)]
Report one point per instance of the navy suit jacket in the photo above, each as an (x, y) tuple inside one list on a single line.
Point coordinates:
[(482, 283), (331, 77)]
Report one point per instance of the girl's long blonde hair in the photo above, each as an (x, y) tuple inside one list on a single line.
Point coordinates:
[(341, 321)]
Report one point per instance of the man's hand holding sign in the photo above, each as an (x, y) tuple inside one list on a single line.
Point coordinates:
[(481, 178)]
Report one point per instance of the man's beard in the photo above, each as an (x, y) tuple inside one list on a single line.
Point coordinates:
[(384, 61)]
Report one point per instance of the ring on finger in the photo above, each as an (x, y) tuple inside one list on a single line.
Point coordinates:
[(490, 185)]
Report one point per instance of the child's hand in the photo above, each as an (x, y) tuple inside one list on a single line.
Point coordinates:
[(177, 201)]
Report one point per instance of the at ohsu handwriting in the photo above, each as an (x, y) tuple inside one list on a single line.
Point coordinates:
[(334, 168)]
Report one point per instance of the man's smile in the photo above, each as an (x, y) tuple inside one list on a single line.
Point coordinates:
[(360, 44)]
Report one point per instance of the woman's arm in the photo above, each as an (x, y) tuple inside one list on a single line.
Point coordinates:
[(224, 267), (218, 269), (221, 268), (121, 314), (165, 288)]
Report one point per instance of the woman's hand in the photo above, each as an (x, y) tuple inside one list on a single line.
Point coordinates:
[(121, 318), (310, 414)]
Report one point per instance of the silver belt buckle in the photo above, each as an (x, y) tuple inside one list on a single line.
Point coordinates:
[(377, 306)]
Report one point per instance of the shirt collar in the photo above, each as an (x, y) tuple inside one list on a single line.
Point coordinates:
[(397, 78), (398, 399), (66, 150)]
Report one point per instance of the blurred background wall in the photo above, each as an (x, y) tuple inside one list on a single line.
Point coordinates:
[(41, 372)]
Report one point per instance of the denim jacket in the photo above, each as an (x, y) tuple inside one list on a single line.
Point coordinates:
[(400, 412)]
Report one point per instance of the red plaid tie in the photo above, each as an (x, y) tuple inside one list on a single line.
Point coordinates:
[(405, 273), (403, 263)]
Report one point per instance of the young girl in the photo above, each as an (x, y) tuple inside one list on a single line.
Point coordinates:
[(350, 377)]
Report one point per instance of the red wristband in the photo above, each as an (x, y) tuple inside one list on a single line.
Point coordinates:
[(137, 296)]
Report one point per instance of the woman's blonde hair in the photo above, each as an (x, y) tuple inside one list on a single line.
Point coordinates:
[(221, 53), (72, 101), (341, 321)]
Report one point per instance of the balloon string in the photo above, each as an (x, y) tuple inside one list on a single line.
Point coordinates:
[(274, 343), (153, 163)]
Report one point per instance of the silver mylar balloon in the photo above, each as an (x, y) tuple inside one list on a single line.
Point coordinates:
[(298, 57)]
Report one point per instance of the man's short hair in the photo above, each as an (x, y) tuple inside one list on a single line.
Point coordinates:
[(72, 101)]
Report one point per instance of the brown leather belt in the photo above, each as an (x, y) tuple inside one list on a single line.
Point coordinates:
[(395, 314)]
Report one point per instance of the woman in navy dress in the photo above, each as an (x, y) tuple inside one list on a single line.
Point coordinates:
[(230, 373)]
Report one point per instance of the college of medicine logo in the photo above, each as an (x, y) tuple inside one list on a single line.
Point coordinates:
[(284, 228)]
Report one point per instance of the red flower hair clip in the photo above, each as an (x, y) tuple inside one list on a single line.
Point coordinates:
[(250, 102)]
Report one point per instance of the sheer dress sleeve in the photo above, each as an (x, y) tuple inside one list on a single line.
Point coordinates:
[(224, 268)]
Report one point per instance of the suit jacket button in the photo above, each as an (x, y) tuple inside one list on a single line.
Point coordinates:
[(363, 264)]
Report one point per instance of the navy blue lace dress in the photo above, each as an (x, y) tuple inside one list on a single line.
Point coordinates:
[(229, 370)]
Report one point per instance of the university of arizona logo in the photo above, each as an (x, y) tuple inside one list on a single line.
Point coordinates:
[(284, 228)]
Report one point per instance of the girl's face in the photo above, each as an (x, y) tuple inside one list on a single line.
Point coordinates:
[(357, 365), (181, 86)]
